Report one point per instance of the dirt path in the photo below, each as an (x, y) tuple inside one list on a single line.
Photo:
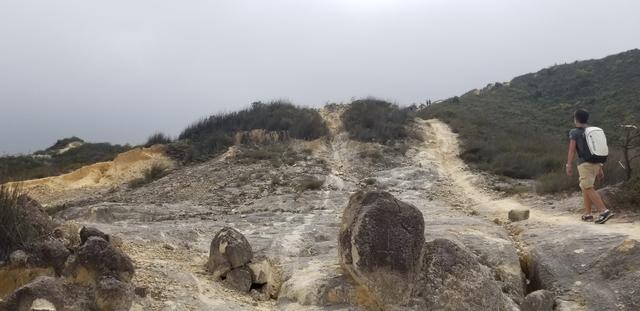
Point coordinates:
[(443, 144)]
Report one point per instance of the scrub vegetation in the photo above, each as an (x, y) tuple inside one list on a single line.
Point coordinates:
[(520, 129)]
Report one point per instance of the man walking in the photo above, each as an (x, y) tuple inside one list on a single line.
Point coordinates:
[(587, 171)]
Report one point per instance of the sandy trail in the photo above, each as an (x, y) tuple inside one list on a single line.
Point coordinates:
[(442, 144)]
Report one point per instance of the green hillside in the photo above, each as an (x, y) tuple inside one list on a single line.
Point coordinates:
[(519, 129), (49, 162)]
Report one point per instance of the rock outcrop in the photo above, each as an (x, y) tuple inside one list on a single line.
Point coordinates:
[(49, 289), (231, 261), (381, 242), (94, 276), (453, 279)]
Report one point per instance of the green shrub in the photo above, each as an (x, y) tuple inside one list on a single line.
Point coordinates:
[(155, 172), (373, 120), (370, 181), (213, 135), (277, 154), (556, 181), (628, 195), (21, 223), (310, 183), (158, 138)]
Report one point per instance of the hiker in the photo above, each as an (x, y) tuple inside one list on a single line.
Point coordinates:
[(589, 166)]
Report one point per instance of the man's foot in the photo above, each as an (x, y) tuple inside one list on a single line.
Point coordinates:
[(604, 217), (588, 217)]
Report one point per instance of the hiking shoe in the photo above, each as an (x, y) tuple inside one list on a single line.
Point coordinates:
[(588, 218), (604, 217)]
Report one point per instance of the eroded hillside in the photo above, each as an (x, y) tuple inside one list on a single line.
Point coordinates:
[(287, 197)]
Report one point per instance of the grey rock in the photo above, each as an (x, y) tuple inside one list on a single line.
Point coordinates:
[(46, 288), (239, 279), (595, 271), (265, 272), (18, 257), (42, 305), (380, 245), (112, 294), (453, 279), (103, 259), (50, 253), (540, 300), (518, 214), (87, 232), (229, 249)]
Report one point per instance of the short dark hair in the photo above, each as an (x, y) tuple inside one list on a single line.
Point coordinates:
[(581, 116)]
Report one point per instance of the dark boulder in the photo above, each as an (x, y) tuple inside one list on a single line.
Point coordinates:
[(239, 279), (381, 242), (229, 249)]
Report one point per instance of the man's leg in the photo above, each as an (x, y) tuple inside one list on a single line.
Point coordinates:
[(586, 202), (596, 199)]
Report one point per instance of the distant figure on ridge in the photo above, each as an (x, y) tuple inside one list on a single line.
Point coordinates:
[(591, 145)]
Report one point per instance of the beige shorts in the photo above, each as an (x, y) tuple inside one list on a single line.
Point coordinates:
[(588, 172)]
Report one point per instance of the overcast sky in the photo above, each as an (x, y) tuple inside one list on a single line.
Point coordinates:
[(119, 70)]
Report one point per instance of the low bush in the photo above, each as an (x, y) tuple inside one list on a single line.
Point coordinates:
[(155, 172), (213, 135), (309, 183), (277, 154), (556, 181), (373, 120), (158, 138), (22, 223)]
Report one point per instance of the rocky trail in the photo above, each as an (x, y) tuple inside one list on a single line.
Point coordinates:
[(564, 253), (445, 143), (291, 214)]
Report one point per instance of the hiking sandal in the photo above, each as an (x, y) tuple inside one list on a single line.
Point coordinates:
[(604, 217), (588, 218)]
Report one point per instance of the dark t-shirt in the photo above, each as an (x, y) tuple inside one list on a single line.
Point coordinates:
[(577, 134)]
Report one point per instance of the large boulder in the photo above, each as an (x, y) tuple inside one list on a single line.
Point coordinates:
[(41, 289), (380, 245), (453, 279), (229, 249), (540, 300), (101, 259)]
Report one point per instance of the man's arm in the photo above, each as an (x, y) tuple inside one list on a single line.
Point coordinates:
[(570, 155)]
